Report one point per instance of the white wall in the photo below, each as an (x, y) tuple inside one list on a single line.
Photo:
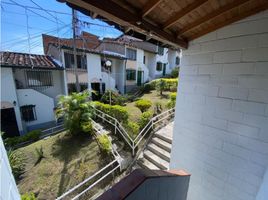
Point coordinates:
[(171, 60), (8, 92), (94, 68), (118, 73), (54, 91), (221, 123), (150, 61), (8, 188), (44, 105)]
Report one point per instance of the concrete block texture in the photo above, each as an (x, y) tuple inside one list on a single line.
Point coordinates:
[(221, 124)]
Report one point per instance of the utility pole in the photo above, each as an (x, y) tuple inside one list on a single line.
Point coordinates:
[(74, 20)]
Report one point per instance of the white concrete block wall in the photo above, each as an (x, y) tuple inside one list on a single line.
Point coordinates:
[(8, 188), (221, 123)]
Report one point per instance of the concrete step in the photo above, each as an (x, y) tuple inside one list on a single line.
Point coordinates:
[(162, 153), (146, 164), (156, 160), (163, 137), (162, 144)]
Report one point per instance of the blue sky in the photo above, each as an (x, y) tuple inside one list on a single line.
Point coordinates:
[(15, 36)]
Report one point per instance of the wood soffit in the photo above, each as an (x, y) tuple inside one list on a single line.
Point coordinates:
[(169, 22)]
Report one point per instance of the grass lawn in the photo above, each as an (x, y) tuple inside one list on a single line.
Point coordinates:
[(68, 161), (153, 96)]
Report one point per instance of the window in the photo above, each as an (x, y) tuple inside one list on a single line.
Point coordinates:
[(177, 60), (161, 50), (39, 78), (144, 59), (131, 54), (69, 61), (131, 74), (159, 66), (28, 113)]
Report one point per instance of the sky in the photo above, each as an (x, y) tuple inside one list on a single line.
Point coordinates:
[(22, 25)]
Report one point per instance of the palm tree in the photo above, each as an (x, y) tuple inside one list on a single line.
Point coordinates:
[(76, 111)]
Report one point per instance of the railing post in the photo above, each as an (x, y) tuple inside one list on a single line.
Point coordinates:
[(115, 123), (133, 148)]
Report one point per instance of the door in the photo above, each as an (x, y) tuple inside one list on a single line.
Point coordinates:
[(9, 122), (139, 79), (96, 88), (164, 69)]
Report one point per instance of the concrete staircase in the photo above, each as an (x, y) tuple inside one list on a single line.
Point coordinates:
[(157, 153)]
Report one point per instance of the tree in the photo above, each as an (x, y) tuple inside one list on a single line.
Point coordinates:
[(76, 111), (160, 86)]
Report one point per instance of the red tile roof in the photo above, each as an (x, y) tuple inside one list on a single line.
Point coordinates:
[(14, 59), (86, 40)]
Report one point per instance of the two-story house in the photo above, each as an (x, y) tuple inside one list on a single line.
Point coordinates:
[(92, 72), (30, 85), (145, 61)]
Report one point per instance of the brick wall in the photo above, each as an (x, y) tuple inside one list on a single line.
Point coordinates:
[(221, 123), (8, 188)]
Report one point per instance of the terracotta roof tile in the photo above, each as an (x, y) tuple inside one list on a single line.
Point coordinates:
[(14, 59)]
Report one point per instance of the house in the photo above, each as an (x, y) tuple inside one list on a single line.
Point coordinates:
[(91, 69), (30, 85), (145, 61), (220, 131)]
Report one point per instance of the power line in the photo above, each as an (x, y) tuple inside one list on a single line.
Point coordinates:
[(46, 11), (25, 7)]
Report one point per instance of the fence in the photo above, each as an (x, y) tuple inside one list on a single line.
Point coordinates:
[(133, 144), (52, 130)]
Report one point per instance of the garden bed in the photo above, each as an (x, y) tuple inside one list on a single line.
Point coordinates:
[(154, 97), (67, 161)]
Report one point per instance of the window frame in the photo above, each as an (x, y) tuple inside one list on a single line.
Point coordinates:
[(131, 74), (39, 78), (131, 56), (28, 113)]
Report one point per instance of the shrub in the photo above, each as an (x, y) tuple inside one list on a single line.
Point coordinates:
[(143, 104), (76, 110), (173, 96), (157, 108), (145, 118), (118, 112), (30, 136), (175, 72), (40, 154), (116, 99), (16, 161), (172, 102), (147, 88), (28, 196), (132, 129), (87, 127), (105, 143), (164, 84)]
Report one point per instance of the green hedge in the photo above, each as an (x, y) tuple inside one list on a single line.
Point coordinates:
[(132, 129), (169, 84), (145, 118), (143, 104), (118, 112), (30, 136), (172, 100), (105, 143)]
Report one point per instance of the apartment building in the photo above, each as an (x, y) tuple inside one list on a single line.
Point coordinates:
[(30, 85)]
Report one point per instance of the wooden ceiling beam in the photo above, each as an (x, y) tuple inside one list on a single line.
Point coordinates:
[(149, 6), (177, 16), (211, 15), (114, 12), (231, 20)]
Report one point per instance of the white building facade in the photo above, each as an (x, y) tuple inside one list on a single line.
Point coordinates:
[(29, 93)]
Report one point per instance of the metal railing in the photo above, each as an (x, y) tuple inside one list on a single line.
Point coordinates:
[(89, 179), (52, 130), (133, 143)]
